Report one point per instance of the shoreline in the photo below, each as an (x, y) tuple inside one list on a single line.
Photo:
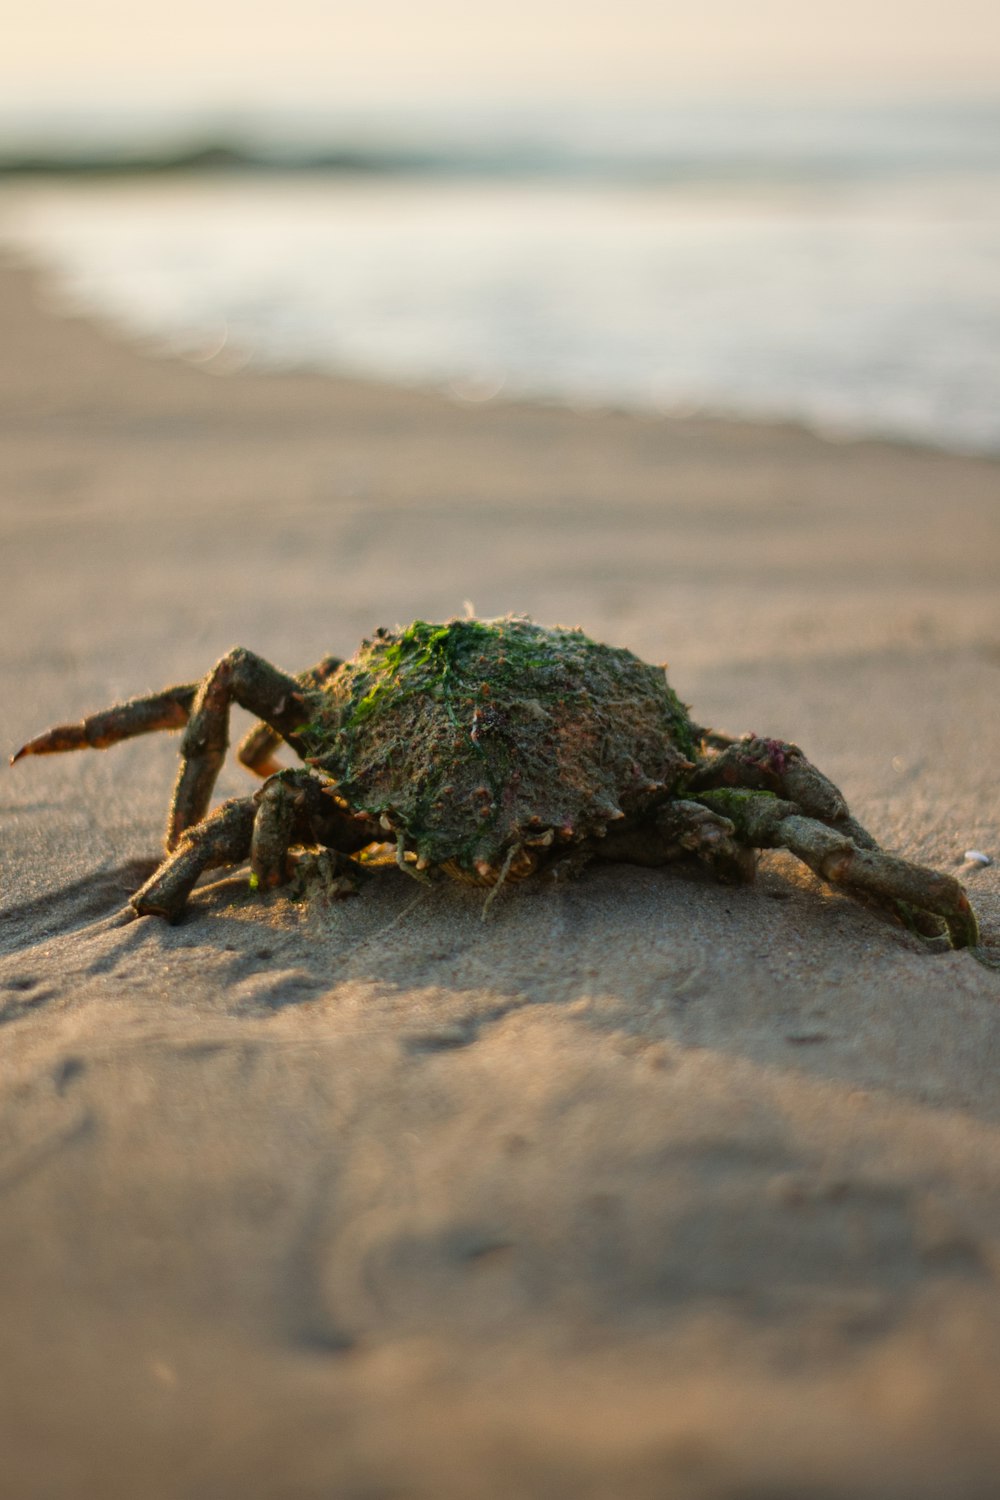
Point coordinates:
[(42, 282), (238, 363), (643, 1185), (844, 374)]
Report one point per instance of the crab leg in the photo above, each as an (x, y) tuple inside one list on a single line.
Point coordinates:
[(279, 806), (776, 766), (256, 749), (168, 709), (293, 807), (676, 830), (239, 677), (221, 839), (772, 766), (766, 822), (715, 739), (296, 807)]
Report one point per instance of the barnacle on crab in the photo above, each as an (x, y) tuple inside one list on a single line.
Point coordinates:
[(487, 751)]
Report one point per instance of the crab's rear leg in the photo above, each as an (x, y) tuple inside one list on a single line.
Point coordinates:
[(169, 709), (768, 822)]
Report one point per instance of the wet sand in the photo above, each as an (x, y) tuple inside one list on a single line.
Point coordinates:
[(642, 1186)]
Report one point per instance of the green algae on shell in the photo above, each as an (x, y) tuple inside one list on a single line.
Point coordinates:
[(470, 738)]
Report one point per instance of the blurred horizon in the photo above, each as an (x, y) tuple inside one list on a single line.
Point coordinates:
[(635, 140)]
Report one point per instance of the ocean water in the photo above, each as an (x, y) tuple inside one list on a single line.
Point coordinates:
[(837, 265)]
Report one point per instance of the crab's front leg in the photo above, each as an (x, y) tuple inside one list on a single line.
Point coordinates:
[(293, 807), (764, 821), (239, 677), (256, 749), (168, 709), (221, 839), (277, 699)]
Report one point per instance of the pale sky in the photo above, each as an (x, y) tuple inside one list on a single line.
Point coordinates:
[(241, 53)]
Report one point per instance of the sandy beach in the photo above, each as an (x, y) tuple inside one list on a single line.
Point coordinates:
[(641, 1187)]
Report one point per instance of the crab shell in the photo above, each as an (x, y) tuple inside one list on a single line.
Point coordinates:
[(478, 744)]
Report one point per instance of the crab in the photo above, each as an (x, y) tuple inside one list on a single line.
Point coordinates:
[(488, 751)]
